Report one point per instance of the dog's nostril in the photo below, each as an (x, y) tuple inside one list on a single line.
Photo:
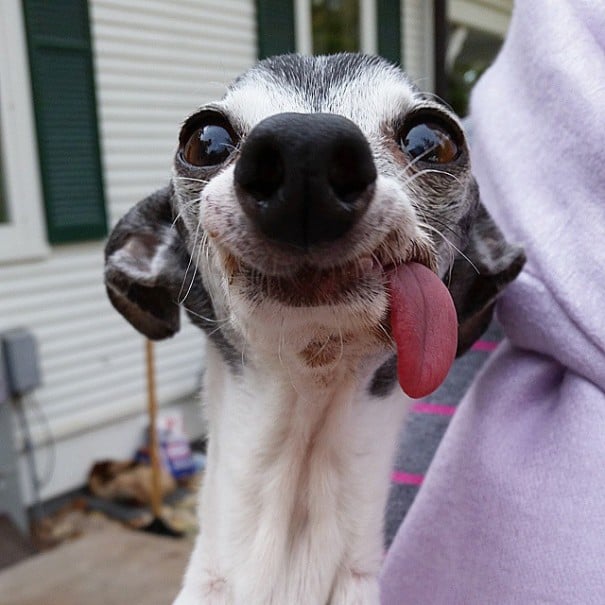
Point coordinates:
[(350, 172), (262, 176)]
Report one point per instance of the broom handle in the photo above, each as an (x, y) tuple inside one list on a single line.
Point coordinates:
[(152, 411)]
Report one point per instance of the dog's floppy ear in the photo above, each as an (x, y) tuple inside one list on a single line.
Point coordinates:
[(487, 265), (145, 266)]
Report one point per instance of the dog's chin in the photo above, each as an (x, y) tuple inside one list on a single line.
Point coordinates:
[(358, 282), (328, 314)]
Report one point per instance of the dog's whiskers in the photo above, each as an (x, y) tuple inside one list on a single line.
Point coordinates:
[(428, 219), (452, 245), (426, 171), (439, 222), (214, 331), (189, 178), (204, 318), (184, 206), (180, 298), (342, 342), (321, 349), (412, 164), (435, 97), (384, 331)]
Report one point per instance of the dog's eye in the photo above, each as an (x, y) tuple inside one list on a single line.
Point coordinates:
[(209, 145), (430, 142)]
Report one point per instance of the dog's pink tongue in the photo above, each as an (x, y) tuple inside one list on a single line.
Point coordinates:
[(425, 328)]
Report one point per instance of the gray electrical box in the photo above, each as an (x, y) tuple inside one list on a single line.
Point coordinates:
[(10, 489), (21, 355)]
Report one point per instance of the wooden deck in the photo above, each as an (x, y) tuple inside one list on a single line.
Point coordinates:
[(111, 567)]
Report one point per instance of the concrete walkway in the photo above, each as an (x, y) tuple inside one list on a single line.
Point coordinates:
[(111, 567)]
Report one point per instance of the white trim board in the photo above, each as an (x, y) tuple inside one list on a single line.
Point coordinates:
[(24, 236), (492, 17)]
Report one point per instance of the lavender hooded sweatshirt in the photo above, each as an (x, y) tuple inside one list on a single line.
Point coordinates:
[(512, 510)]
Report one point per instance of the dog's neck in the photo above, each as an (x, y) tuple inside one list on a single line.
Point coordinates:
[(287, 379), (290, 457)]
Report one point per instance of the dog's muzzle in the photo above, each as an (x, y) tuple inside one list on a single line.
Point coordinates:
[(305, 179)]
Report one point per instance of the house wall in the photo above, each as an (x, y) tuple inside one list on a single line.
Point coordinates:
[(156, 61)]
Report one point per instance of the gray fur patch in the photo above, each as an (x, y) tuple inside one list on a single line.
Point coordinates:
[(384, 379)]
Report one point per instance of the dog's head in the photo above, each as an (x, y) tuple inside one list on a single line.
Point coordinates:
[(291, 200)]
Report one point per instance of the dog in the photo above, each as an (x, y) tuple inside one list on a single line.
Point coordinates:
[(296, 205)]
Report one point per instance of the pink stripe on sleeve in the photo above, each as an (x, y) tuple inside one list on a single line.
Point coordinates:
[(433, 408), (485, 346), (402, 478)]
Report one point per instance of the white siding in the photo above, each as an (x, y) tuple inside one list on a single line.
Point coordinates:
[(418, 42), (156, 61)]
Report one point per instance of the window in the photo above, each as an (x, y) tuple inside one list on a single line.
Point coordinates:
[(335, 26), (475, 32), (470, 53), (22, 233), (326, 26)]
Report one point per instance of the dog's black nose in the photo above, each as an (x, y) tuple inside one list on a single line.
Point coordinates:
[(304, 179)]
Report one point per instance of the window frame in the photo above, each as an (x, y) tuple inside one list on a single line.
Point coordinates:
[(368, 36), (23, 236)]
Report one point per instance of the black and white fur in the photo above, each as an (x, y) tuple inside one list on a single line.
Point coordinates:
[(300, 390)]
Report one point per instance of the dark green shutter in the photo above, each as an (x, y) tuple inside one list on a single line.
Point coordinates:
[(389, 29), (276, 34), (60, 55)]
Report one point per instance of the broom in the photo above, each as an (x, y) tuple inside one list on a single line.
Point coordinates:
[(157, 525)]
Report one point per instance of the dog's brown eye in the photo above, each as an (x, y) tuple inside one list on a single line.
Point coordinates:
[(209, 145), (430, 142)]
